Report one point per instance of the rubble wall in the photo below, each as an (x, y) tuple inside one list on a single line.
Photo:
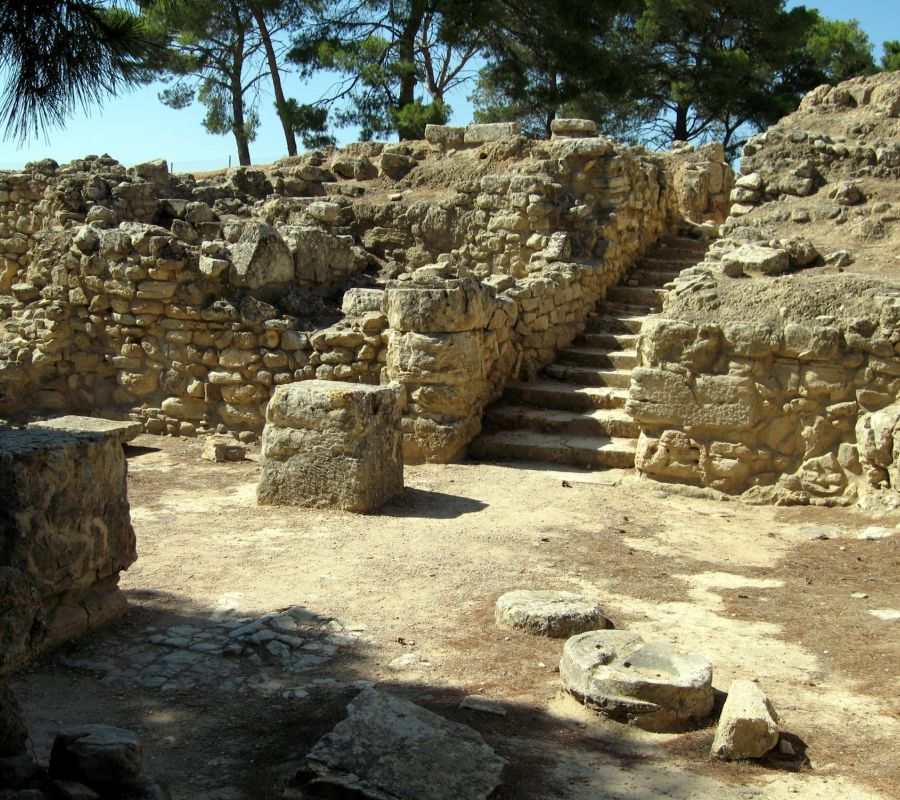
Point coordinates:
[(182, 303)]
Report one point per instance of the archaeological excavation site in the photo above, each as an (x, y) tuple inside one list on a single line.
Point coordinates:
[(477, 466)]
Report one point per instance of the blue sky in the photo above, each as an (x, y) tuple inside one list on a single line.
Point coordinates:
[(136, 126)]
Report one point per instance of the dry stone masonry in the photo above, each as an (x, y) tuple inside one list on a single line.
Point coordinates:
[(182, 303), (761, 379)]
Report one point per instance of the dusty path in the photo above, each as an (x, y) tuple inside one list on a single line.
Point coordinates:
[(406, 597)]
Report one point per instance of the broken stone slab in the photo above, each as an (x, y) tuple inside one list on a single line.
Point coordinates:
[(748, 725), (97, 755), (552, 613), (490, 132), (655, 686), (391, 749), (330, 444), (221, 448), (120, 430), (754, 259)]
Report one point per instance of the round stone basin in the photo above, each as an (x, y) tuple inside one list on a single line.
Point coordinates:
[(653, 685)]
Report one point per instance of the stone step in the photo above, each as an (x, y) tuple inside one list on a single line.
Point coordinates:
[(584, 356), (557, 395), (649, 277), (606, 323), (607, 341), (579, 451), (637, 295), (589, 376), (681, 243), (666, 264), (611, 308), (598, 422)]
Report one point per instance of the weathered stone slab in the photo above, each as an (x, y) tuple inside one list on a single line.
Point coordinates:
[(655, 686), (660, 397), (755, 259), (448, 306), (445, 135), (391, 749), (748, 726), (120, 430), (491, 132), (329, 444), (66, 523), (556, 614), (573, 128)]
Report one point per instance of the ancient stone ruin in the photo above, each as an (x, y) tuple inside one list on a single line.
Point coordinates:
[(475, 295)]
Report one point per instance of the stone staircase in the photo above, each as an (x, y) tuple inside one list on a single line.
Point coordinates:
[(574, 413)]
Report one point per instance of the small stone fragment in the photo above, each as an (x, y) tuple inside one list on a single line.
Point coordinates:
[(220, 448), (552, 613), (887, 614), (748, 726), (476, 702)]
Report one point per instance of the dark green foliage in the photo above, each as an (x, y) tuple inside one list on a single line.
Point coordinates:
[(839, 49), (63, 54), (891, 58)]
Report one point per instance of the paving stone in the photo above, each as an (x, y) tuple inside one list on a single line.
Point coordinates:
[(391, 749)]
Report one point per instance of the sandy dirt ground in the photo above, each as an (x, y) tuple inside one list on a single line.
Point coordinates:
[(405, 598)]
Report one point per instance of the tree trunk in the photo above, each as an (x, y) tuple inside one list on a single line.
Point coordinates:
[(406, 51), (237, 102), (681, 123), (280, 104)]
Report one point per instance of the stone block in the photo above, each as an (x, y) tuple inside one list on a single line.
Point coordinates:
[(260, 258), (97, 755), (66, 523), (329, 444), (223, 448), (447, 136), (360, 301), (446, 306), (120, 430), (491, 132), (573, 128), (556, 614), (448, 359), (748, 726)]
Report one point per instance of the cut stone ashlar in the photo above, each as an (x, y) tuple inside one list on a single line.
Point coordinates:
[(552, 613), (330, 444), (652, 685)]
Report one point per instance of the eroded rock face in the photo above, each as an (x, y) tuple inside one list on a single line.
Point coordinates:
[(390, 749), (329, 444), (748, 726), (556, 614), (655, 686)]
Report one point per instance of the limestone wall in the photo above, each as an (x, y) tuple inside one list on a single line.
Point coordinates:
[(774, 412), (182, 303)]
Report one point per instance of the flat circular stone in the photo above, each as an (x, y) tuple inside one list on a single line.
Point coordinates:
[(655, 686), (550, 613)]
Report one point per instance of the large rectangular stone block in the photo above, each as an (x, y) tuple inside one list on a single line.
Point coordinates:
[(330, 444), (65, 523)]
